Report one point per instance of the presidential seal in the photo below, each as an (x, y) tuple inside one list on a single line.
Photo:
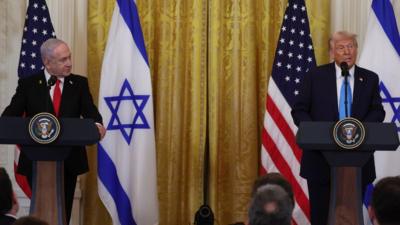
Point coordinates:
[(349, 133), (44, 128)]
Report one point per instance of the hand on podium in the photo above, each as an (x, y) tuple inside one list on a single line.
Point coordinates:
[(102, 130)]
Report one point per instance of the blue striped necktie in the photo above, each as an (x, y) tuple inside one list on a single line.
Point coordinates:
[(342, 108)]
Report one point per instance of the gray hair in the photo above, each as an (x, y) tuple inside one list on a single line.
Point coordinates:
[(47, 48), (271, 205), (339, 35)]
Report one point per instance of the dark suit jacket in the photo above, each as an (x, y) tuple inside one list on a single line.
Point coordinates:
[(318, 102), (32, 97), (6, 220)]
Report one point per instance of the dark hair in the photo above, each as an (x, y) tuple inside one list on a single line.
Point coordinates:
[(6, 192), (30, 220), (271, 205), (273, 178), (386, 200)]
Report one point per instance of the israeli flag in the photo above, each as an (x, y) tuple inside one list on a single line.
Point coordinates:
[(126, 156), (381, 54)]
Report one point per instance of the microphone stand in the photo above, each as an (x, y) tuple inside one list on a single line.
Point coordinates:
[(346, 103), (345, 74), (52, 80)]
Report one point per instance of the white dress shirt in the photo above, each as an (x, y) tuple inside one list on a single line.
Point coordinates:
[(47, 74)]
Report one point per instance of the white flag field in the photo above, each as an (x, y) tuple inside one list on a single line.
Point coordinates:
[(127, 156), (381, 54)]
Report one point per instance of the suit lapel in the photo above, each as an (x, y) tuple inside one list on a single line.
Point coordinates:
[(333, 97), (68, 90), (44, 91), (359, 80)]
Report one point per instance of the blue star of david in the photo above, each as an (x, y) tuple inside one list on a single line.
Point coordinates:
[(139, 120), (388, 99)]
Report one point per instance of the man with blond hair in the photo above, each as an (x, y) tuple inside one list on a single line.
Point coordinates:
[(322, 98)]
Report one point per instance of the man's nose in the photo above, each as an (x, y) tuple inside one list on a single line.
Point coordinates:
[(69, 63)]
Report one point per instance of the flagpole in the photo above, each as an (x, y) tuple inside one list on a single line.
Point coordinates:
[(204, 215)]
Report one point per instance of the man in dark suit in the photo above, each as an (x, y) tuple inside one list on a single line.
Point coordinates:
[(74, 100), (319, 100)]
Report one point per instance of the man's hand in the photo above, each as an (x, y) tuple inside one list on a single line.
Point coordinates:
[(102, 130), (15, 206)]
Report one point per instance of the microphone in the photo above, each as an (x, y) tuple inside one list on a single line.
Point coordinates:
[(51, 81), (345, 73), (345, 69)]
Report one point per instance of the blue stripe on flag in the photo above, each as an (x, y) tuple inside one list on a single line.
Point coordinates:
[(367, 201), (108, 176), (130, 14), (384, 12), (368, 195)]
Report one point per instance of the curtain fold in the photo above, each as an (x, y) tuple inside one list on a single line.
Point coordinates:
[(99, 20), (210, 63), (176, 36)]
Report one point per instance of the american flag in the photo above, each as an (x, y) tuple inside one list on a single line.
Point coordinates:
[(37, 29), (294, 56)]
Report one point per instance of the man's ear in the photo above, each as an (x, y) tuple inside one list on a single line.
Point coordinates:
[(371, 213), (46, 62)]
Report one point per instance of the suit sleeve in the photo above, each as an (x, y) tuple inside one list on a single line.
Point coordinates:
[(301, 108), (18, 102), (376, 113), (89, 109)]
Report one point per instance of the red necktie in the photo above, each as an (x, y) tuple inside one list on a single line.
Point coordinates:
[(57, 97)]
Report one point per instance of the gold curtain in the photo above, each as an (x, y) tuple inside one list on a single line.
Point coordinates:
[(210, 61)]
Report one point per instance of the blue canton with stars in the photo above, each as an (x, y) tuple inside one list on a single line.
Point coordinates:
[(138, 120), (294, 54), (38, 28), (393, 102)]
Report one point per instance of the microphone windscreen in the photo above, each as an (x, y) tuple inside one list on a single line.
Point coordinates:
[(344, 66), (51, 81)]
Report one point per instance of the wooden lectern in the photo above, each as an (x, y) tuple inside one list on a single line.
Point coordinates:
[(345, 205), (47, 200)]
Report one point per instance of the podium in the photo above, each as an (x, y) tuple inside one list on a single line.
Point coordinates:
[(47, 200), (345, 205)]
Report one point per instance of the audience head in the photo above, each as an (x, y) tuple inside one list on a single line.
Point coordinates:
[(6, 192), (270, 205), (385, 203), (273, 178), (30, 220)]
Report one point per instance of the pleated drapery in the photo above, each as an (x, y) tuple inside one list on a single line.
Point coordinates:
[(210, 62)]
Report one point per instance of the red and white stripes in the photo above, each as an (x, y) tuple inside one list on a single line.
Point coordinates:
[(279, 151)]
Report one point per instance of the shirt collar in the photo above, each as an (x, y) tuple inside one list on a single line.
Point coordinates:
[(339, 72), (11, 215)]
